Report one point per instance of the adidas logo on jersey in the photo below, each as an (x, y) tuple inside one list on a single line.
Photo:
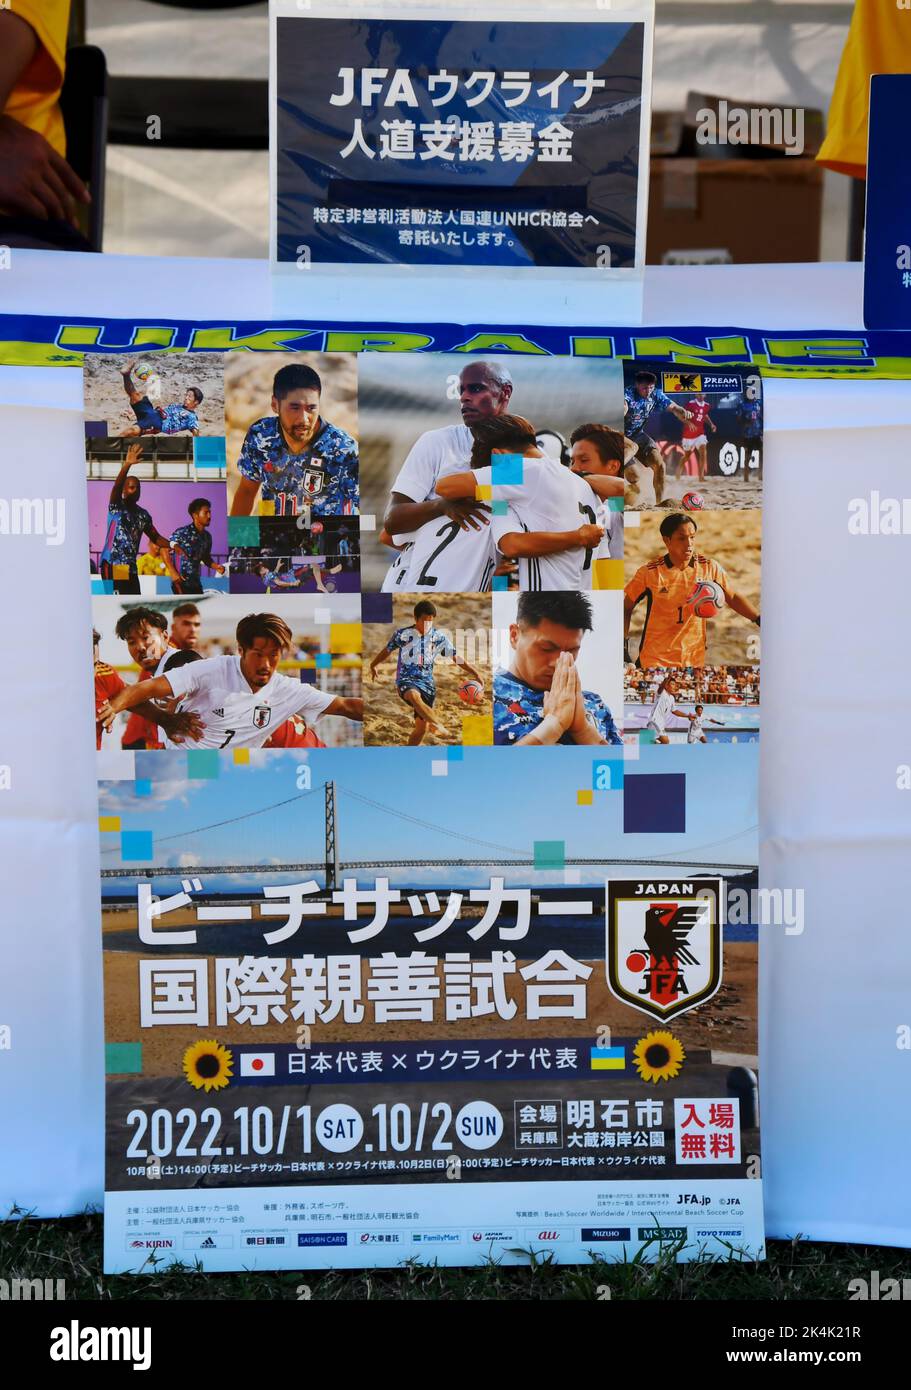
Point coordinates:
[(219, 712)]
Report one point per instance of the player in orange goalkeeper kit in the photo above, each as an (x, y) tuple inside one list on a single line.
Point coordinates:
[(673, 634)]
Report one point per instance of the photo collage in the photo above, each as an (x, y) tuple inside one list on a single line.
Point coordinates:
[(312, 549)]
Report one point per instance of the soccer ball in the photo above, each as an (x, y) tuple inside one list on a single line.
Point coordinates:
[(316, 528), (706, 599), (693, 501), (148, 379), (472, 692)]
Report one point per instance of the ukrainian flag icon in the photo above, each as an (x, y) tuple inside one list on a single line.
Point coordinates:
[(608, 1059)]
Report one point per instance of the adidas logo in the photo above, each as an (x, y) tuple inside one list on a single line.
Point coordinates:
[(219, 712), (208, 1243)]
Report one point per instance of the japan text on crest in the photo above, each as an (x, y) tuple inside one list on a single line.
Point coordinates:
[(664, 948)]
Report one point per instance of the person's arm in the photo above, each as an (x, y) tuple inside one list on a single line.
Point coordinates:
[(605, 484), (631, 596), (34, 178), (682, 714), (475, 675), (521, 544), (739, 604), (679, 411), (244, 497), (403, 515), (347, 708), (455, 485), (379, 659), (158, 688), (133, 455)]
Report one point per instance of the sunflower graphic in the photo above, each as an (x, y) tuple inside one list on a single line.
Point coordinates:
[(658, 1056), (207, 1065)]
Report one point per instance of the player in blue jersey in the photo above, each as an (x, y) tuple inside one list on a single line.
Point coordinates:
[(192, 547), (749, 417), (640, 400), (419, 647), (540, 699), (127, 523), (164, 419), (294, 458)]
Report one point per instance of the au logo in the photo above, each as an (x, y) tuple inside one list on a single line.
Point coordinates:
[(664, 949), (682, 381)]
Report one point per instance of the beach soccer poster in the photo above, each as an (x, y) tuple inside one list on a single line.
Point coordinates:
[(427, 715), (509, 141)]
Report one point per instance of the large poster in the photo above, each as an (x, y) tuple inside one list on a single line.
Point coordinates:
[(505, 141), (427, 700)]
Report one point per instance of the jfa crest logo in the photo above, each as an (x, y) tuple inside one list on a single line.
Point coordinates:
[(682, 381), (664, 949), (261, 716), (314, 481)]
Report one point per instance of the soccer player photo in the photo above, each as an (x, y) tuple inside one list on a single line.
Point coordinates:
[(687, 705), (698, 437), (430, 425), (692, 591), (559, 680), (162, 394), (428, 679), (251, 679), (290, 555), (291, 430), (152, 537)]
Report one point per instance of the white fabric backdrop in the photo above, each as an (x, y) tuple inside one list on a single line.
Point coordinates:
[(835, 673)]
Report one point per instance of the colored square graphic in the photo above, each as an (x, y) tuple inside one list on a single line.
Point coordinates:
[(202, 764), (243, 530), (499, 582), (209, 453), (654, 803), (607, 774), (455, 753), (376, 608), (550, 854), (506, 470), (136, 844), (499, 508), (607, 574), (439, 767), (607, 1059), (142, 787), (484, 492), (241, 757), (345, 637), (584, 797), (106, 824), (123, 1059), (477, 730), (323, 660), (102, 586), (367, 521)]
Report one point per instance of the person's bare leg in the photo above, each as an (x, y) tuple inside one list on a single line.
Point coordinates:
[(417, 733), (413, 698)]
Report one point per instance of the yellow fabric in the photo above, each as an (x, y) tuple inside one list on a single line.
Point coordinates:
[(34, 99), (879, 40)]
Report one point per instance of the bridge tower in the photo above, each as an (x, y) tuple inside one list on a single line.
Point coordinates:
[(331, 842)]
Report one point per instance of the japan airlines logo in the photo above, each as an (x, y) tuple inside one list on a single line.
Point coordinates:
[(664, 943)]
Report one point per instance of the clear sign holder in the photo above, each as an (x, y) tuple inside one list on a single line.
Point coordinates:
[(332, 260)]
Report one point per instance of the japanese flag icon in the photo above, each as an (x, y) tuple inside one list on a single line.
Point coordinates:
[(257, 1064)]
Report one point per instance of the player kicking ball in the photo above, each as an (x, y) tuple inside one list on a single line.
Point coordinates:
[(153, 419), (238, 700), (419, 647)]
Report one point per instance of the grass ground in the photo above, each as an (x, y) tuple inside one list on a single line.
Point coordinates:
[(71, 1250)]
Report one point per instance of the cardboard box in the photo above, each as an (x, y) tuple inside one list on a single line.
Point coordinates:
[(729, 202)]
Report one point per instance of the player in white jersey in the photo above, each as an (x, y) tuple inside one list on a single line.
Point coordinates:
[(598, 455), (452, 547), (549, 526), (663, 709), (696, 732), (239, 700)]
